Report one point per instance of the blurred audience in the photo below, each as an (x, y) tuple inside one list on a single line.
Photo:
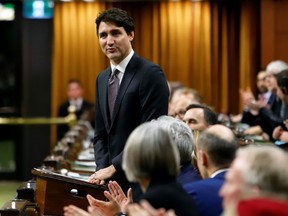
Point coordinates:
[(261, 113), (216, 150), (257, 183)]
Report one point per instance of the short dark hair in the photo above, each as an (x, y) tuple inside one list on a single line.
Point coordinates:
[(73, 80), (282, 80), (221, 151), (210, 115), (117, 16)]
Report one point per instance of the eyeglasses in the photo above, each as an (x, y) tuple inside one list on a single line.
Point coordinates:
[(181, 113)]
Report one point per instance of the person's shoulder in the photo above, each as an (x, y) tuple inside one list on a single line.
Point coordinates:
[(64, 104), (139, 60), (104, 72), (197, 185)]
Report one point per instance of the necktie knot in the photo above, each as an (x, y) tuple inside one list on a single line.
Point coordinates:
[(114, 75)]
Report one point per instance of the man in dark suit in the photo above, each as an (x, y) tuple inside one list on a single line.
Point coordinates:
[(217, 147), (143, 95), (266, 114), (75, 99)]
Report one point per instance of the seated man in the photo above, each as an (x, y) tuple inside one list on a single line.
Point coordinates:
[(75, 98), (182, 137), (199, 117), (280, 132), (247, 96), (180, 99), (216, 150), (258, 175)]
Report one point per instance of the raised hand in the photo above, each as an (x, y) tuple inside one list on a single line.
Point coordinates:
[(104, 208), (118, 194)]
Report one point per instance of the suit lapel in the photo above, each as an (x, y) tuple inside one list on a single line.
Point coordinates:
[(127, 78), (103, 97)]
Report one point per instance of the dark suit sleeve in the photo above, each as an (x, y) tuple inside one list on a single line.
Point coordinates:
[(269, 121), (100, 138), (154, 97), (154, 94)]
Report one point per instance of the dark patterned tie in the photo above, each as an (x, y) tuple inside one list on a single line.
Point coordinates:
[(113, 87)]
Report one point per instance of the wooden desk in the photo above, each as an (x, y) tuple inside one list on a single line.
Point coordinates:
[(54, 191)]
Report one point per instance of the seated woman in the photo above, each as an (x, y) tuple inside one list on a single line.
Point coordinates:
[(150, 159)]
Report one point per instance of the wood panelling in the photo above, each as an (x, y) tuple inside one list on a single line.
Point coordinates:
[(274, 31)]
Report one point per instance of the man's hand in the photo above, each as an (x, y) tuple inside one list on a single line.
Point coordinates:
[(246, 96), (255, 106), (101, 175)]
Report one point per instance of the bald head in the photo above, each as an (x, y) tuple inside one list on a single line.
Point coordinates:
[(220, 144), (222, 132)]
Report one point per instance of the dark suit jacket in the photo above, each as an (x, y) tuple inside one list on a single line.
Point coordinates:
[(205, 193), (268, 117), (63, 112), (188, 174), (166, 193), (142, 96)]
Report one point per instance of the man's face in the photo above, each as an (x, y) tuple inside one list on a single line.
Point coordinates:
[(232, 189), (180, 107), (261, 84), (271, 82), (114, 41), (194, 118), (74, 91), (281, 95)]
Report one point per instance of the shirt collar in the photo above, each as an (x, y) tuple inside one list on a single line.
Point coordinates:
[(218, 172), (123, 64)]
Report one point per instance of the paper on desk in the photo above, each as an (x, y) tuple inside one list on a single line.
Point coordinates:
[(85, 163)]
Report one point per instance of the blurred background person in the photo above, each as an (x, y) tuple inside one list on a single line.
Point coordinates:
[(75, 99), (180, 99), (247, 96), (280, 132)]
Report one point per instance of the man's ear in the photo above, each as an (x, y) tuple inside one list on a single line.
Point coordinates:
[(131, 36), (202, 158)]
